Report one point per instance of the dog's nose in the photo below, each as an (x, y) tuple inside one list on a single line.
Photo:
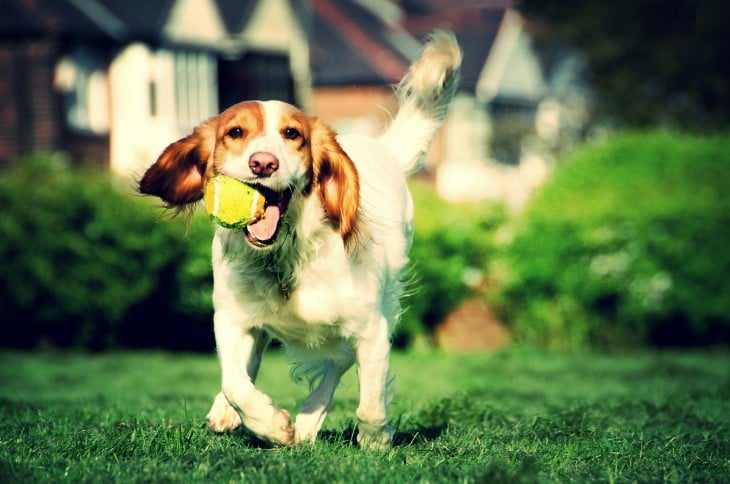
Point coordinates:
[(263, 164)]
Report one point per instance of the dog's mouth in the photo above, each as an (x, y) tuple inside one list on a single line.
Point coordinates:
[(262, 232)]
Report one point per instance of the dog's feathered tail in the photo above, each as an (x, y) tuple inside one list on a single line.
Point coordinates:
[(424, 95)]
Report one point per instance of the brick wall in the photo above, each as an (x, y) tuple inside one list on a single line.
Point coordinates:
[(335, 104), (29, 110), (9, 143), (31, 116), (89, 149), (42, 100)]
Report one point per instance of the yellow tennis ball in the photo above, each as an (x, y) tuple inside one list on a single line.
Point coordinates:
[(232, 203)]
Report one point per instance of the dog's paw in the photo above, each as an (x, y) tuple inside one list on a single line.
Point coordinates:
[(307, 426), (222, 417), (276, 428), (283, 430), (260, 416), (374, 437)]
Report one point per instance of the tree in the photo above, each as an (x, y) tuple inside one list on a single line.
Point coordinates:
[(650, 61)]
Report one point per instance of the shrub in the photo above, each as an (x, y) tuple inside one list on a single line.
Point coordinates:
[(626, 246), (85, 264)]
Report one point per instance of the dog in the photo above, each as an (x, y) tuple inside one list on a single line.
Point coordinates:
[(322, 270)]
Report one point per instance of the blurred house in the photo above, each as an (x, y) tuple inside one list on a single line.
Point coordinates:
[(511, 110), (118, 81)]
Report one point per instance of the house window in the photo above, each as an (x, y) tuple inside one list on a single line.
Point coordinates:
[(81, 79), (196, 88), (255, 76), (153, 98)]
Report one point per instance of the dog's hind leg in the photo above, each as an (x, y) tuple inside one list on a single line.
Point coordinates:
[(318, 403), (372, 353)]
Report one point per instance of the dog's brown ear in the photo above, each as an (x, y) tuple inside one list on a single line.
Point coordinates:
[(336, 180), (178, 174)]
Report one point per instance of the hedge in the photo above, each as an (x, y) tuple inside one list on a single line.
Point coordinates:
[(625, 246), (86, 264)]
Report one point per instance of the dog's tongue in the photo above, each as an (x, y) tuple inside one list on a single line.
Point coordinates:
[(265, 228)]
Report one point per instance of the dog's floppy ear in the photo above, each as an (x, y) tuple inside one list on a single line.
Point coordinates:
[(178, 174), (336, 180)]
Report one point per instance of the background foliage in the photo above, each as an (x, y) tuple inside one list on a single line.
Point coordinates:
[(650, 61), (626, 246), (87, 264)]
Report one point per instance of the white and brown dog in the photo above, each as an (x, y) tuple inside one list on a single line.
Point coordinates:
[(322, 270)]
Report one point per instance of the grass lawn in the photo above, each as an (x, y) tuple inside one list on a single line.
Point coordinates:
[(518, 415)]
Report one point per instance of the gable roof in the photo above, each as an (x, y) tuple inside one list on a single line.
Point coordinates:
[(475, 23), (92, 20), (236, 14), (142, 20), (351, 44), (107, 20)]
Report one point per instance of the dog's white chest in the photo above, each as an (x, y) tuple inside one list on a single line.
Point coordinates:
[(319, 308), (315, 303)]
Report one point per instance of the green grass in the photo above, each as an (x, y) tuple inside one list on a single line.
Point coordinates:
[(520, 415)]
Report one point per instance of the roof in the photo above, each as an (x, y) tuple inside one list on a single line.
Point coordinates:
[(236, 14), (475, 24), (106, 20), (93, 20), (353, 43)]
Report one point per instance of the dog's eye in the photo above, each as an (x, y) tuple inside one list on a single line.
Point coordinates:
[(235, 132), (291, 133)]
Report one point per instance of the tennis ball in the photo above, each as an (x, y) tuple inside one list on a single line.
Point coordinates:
[(232, 203)]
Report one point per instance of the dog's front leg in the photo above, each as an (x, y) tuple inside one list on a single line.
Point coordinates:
[(222, 417), (372, 352), (240, 352)]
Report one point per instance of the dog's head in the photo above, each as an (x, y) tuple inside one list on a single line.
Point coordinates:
[(272, 145)]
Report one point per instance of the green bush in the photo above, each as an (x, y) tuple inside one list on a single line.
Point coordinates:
[(626, 246), (86, 265), (451, 245)]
